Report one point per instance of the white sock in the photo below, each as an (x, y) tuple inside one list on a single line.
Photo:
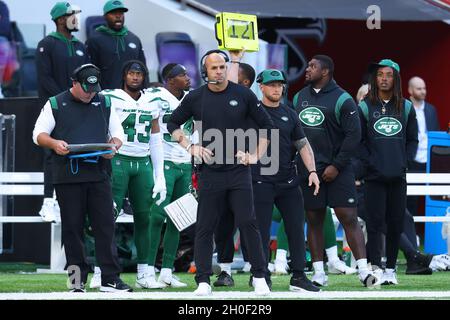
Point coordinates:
[(281, 255), (97, 270), (362, 267), (318, 266), (166, 272), (332, 253), (389, 270), (151, 270), (142, 269), (225, 267)]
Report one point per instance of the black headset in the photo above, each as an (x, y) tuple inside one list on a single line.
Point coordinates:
[(203, 71), (76, 72)]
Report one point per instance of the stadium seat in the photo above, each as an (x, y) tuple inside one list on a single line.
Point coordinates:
[(177, 47), (5, 27), (28, 74), (92, 23)]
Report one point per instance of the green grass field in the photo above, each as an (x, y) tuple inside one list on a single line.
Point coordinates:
[(25, 280)]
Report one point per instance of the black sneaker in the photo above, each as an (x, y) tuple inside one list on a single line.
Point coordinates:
[(268, 281), (81, 288), (423, 259), (412, 267), (224, 280), (115, 285), (302, 283)]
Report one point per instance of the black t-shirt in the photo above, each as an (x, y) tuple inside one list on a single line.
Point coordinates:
[(221, 113), (282, 149)]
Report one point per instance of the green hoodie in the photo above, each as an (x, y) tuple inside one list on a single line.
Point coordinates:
[(119, 34), (68, 42)]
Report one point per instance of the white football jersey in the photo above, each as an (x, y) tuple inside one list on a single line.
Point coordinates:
[(136, 118), (172, 150)]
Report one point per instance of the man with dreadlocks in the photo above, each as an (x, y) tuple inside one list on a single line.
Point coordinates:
[(133, 173), (389, 141)]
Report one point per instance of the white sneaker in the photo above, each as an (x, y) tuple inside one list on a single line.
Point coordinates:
[(370, 279), (247, 267), (389, 277), (148, 281), (320, 279), (47, 211), (171, 281), (261, 287), (440, 262), (281, 267), (203, 289), (339, 267), (96, 281)]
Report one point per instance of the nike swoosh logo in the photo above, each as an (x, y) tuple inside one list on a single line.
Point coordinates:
[(352, 112), (259, 104), (112, 285), (290, 181)]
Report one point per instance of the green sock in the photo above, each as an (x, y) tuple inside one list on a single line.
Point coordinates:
[(328, 230)]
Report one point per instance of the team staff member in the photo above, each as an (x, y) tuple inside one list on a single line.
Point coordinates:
[(113, 45), (330, 120), (389, 141), (57, 56), (224, 234), (177, 170), (224, 183), (132, 171), (282, 189), (81, 115)]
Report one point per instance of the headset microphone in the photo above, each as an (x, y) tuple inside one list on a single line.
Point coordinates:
[(203, 71)]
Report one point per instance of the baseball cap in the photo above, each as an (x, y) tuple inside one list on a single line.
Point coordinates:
[(112, 5), (384, 63), (61, 9), (270, 75), (88, 75)]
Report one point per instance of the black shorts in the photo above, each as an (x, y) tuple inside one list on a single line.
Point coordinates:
[(340, 193)]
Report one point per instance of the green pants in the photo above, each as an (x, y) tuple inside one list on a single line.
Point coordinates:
[(178, 182), (328, 230), (134, 176)]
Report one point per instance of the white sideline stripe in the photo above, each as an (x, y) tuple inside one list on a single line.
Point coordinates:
[(231, 295)]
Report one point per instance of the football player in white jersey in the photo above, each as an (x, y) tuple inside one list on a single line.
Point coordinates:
[(133, 172), (177, 171)]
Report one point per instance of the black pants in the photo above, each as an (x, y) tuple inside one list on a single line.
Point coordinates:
[(412, 202), (94, 199), (48, 185), (223, 192), (224, 239), (385, 206), (408, 240), (289, 201)]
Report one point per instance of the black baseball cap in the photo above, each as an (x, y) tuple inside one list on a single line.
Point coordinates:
[(88, 75)]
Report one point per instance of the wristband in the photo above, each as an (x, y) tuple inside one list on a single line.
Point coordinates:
[(234, 61), (312, 171), (188, 147)]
